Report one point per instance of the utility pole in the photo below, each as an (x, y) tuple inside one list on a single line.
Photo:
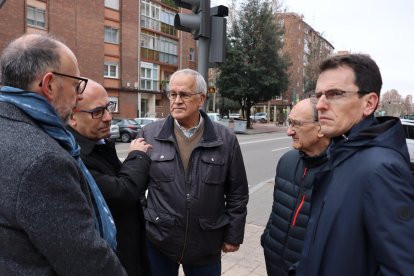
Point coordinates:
[(208, 26)]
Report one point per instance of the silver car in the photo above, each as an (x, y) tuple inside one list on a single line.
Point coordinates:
[(114, 132)]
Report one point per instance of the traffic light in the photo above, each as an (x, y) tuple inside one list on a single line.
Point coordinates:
[(197, 23), (218, 34)]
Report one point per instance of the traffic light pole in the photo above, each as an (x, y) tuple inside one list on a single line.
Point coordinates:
[(203, 61), (208, 26)]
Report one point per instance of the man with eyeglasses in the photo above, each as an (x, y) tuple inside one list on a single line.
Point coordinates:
[(362, 216), (283, 237), (53, 219), (122, 184), (197, 190)]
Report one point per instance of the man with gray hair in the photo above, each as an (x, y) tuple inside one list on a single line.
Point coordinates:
[(197, 190), (53, 219)]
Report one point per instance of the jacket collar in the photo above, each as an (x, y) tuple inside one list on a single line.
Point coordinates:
[(209, 134), (87, 145)]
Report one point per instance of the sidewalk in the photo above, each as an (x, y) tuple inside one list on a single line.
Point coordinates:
[(249, 260)]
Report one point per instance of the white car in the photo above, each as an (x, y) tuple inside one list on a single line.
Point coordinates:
[(408, 126), (214, 116), (259, 116), (145, 120)]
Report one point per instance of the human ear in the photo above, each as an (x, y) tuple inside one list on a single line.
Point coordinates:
[(72, 120), (47, 88), (370, 103), (202, 99)]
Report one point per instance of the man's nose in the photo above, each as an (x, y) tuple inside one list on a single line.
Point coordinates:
[(322, 103), (290, 131), (79, 97), (107, 116)]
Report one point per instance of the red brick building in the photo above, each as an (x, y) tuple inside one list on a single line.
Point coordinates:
[(129, 46), (300, 41)]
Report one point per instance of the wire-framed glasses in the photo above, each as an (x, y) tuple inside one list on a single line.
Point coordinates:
[(185, 96)]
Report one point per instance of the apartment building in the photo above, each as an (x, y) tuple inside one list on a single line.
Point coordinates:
[(129, 46), (305, 48)]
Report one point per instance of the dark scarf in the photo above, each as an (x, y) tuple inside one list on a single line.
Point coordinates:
[(46, 117)]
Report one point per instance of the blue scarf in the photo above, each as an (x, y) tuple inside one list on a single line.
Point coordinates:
[(46, 117)]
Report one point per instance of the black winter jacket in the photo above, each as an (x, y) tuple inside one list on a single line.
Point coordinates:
[(283, 236), (122, 185), (189, 217)]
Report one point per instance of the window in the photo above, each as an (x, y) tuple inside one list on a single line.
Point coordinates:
[(192, 54), (113, 4), (114, 100), (149, 76), (111, 70), (111, 35), (159, 48), (35, 17)]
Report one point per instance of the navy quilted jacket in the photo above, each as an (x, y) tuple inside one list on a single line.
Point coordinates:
[(283, 237)]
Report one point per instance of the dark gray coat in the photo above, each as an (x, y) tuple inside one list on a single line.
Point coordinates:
[(46, 216), (189, 217)]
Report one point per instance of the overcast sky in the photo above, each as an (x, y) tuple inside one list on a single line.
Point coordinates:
[(381, 28)]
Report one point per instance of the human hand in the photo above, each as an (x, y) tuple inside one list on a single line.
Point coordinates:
[(139, 144), (227, 247)]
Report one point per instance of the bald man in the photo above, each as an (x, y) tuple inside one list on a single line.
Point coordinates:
[(122, 184), (283, 236)]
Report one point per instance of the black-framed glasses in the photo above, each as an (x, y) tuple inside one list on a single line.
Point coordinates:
[(98, 112), (299, 124), (183, 95), (334, 94), (80, 86)]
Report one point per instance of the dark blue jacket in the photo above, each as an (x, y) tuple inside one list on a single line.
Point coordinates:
[(362, 217), (284, 234)]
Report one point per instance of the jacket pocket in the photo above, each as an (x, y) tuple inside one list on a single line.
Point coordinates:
[(162, 168), (159, 225), (213, 169), (212, 233)]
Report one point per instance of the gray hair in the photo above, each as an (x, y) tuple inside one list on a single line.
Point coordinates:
[(200, 83), (28, 57)]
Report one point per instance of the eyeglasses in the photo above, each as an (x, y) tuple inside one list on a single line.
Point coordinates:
[(80, 87), (334, 94), (183, 95), (99, 111), (298, 124)]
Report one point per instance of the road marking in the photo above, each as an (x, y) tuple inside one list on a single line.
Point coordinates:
[(258, 186), (281, 149), (266, 140)]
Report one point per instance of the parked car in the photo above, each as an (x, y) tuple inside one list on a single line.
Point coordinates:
[(114, 132), (128, 128), (214, 116), (145, 120), (234, 116), (408, 126), (259, 116)]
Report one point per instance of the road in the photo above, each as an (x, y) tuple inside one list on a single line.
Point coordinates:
[(261, 153)]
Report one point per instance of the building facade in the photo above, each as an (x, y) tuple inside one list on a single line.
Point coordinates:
[(305, 48), (129, 46)]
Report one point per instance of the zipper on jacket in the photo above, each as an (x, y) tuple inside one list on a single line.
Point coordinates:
[(187, 203), (302, 201), (298, 210)]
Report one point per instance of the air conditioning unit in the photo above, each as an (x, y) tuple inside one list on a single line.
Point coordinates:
[(128, 84)]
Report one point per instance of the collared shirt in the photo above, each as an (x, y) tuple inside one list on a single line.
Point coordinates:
[(189, 132)]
